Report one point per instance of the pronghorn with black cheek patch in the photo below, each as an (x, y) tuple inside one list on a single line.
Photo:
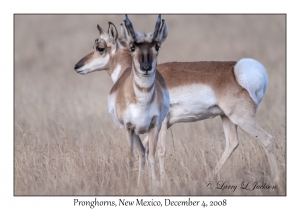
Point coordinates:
[(203, 90), (139, 100)]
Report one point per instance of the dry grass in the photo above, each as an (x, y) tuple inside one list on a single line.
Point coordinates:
[(66, 142)]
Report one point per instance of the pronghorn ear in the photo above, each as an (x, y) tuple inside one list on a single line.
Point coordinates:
[(124, 30), (112, 31), (101, 31), (162, 33)]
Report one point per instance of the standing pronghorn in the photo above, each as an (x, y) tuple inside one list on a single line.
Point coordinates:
[(198, 90), (139, 100)]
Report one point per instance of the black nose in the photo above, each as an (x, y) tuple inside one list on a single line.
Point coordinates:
[(77, 66), (146, 67)]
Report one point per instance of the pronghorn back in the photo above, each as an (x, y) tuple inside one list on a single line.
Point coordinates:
[(221, 76)]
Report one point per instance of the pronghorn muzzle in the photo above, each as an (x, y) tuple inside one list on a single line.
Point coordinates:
[(146, 67), (78, 65)]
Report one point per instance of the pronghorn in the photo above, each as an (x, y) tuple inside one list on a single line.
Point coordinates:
[(200, 90), (139, 100)]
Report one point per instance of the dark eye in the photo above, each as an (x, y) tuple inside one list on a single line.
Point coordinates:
[(100, 49), (157, 47), (132, 48)]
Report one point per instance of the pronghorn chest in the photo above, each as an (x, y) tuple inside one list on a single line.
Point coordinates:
[(192, 103), (138, 116), (141, 117), (138, 106)]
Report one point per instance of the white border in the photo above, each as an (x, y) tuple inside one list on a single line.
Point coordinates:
[(8, 201)]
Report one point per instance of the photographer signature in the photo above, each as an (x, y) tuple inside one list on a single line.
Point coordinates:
[(245, 185)]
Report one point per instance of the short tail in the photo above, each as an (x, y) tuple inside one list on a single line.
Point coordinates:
[(252, 76)]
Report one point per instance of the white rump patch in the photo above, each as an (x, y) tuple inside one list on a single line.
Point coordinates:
[(252, 76)]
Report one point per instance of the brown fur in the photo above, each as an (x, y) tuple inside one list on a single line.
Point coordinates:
[(145, 55), (85, 60), (126, 80), (218, 75), (123, 58), (143, 89), (212, 73)]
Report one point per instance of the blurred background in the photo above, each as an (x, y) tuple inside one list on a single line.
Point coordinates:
[(66, 142)]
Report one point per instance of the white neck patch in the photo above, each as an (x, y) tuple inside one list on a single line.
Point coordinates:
[(115, 74)]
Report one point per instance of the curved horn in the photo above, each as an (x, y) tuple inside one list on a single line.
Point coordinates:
[(129, 27), (157, 25)]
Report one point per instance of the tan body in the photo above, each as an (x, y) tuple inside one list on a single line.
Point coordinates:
[(202, 90), (214, 88), (204, 75)]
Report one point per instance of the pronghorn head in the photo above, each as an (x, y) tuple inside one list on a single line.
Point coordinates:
[(104, 47), (144, 47)]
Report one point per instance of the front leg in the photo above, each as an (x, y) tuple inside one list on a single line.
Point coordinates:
[(142, 158), (153, 138), (130, 137), (161, 149)]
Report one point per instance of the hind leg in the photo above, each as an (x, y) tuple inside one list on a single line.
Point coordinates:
[(249, 124), (232, 143)]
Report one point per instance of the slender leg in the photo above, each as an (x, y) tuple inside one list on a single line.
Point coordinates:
[(241, 111), (146, 145), (153, 138), (249, 124), (232, 143), (161, 149), (252, 127), (130, 138), (142, 157)]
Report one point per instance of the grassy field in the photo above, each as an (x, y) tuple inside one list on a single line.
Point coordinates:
[(66, 143)]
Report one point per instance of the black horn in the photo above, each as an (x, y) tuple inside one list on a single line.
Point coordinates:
[(129, 27), (157, 25)]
